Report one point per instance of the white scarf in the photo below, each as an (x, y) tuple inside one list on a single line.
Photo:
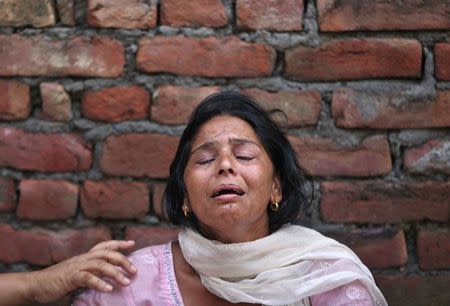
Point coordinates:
[(284, 268)]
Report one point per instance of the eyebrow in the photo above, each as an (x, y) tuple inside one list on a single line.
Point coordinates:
[(236, 141)]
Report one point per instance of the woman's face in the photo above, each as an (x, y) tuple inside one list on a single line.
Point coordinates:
[(230, 181)]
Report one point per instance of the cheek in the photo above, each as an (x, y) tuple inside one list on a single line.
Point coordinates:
[(195, 182)]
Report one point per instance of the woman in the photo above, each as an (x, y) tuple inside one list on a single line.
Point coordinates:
[(235, 185), (82, 271)]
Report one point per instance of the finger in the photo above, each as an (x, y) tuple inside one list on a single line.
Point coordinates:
[(114, 258), (89, 280), (102, 268), (114, 245)]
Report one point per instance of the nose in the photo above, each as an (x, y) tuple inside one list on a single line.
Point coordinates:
[(225, 165)]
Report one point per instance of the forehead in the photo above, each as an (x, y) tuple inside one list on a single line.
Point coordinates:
[(224, 126)]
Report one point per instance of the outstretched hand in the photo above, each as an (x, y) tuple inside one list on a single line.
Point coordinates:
[(99, 269)]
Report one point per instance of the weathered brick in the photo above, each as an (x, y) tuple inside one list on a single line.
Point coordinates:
[(146, 236), (128, 14), (56, 103), (207, 13), (270, 14), (375, 109), (114, 199), (158, 192), (43, 247), (324, 157), (431, 157), (68, 243), (383, 202), (32, 246), (7, 195), (355, 59), (173, 104), (442, 61), (47, 199), (14, 100), (378, 249), (138, 155), (50, 152), (433, 249), (210, 57), (337, 16), (402, 290), (300, 107), (116, 104), (66, 12), (19, 13), (80, 56)]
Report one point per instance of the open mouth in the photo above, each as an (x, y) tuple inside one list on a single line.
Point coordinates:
[(227, 189)]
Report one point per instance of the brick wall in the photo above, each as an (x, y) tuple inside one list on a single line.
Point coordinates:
[(94, 95)]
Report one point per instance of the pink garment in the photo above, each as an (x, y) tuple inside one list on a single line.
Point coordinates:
[(155, 285)]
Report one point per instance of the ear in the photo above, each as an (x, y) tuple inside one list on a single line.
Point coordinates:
[(185, 203), (276, 194)]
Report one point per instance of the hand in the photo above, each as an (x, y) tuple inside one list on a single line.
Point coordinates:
[(84, 271)]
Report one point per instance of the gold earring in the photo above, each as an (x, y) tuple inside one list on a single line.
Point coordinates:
[(185, 210), (274, 206)]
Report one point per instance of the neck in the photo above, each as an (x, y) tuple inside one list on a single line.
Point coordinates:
[(236, 234)]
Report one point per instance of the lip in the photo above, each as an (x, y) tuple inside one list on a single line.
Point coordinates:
[(228, 196)]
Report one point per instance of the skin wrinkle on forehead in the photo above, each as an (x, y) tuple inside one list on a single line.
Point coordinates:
[(232, 140)]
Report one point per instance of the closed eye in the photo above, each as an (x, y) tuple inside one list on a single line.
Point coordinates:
[(205, 161), (245, 158)]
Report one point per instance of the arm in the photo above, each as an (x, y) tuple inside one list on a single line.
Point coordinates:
[(85, 270)]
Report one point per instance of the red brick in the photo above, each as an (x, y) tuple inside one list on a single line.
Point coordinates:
[(114, 199), (80, 56), (66, 12), (383, 202), (116, 104), (146, 236), (379, 249), (433, 249), (209, 57), (7, 195), (51, 152), (402, 290), (56, 103), (32, 246), (43, 247), (207, 13), (301, 107), (173, 104), (19, 13), (324, 157), (128, 14), (158, 192), (47, 199), (270, 14), (354, 108), (355, 59), (138, 155), (442, 61), (69, 243), (14, 100), (337, 16), (431, 157)]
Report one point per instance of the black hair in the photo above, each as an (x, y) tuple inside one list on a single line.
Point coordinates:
[(293, 178)]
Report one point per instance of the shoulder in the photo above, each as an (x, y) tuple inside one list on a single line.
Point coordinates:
[(150, 263)]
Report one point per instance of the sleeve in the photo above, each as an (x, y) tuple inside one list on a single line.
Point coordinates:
[(354, 293), (146, 286)]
